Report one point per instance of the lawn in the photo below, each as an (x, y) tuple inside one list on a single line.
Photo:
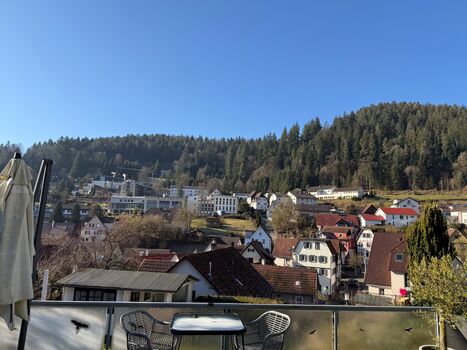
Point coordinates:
[(229, 225), (386, 198)]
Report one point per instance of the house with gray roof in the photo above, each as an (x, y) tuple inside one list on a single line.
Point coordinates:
[(122, 285)]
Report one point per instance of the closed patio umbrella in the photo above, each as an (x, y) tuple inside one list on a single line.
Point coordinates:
[(16, 240)]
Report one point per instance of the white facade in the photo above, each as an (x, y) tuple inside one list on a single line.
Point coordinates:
[(407, 203), (315, 253), (188, 191), (364, 242), (302, 199), (250, 254), (337, 193), (260, 235), (94, 230), (276, 200), (365, 222), (129, 204), (200, 206), (287, 262), (397, 283), (460, 215), (259, 203), (200, 288), (398, 217), (225, 204)]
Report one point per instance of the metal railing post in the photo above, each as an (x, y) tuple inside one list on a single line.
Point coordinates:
[(108, 327), (335, 330)]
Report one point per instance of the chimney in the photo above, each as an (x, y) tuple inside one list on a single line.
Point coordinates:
[(210, 269)]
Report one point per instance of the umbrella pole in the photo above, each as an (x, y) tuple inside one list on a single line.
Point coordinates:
[(41, 189)]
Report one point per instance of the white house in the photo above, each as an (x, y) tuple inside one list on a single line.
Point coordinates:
[(364, 242), (406, 203), (255, 253), (223, 272), (260, 235), (276, 198), (122, 285), (300, 197), (224, 204), (323, 255), (368, 220), (258, 201), (284, 248), (332, 192), (398, 217), (96, 229), (200, 206), (386, 273), (188, 191)]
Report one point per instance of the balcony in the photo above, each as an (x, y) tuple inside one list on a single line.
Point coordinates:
[(335, 327)]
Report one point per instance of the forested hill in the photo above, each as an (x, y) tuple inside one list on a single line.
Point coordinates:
[(390, 145)]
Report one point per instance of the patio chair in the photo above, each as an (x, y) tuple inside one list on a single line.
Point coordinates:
[(265, 333), (144, 332)]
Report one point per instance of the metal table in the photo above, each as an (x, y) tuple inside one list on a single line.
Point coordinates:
[(207, 324)]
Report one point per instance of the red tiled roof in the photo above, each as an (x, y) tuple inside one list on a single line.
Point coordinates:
[(382, 258), (334, 246), (399, 211), (169, 256), (369, 217), (332, 220), (283, 247), (151, 265), (338, 229), (284, 279)]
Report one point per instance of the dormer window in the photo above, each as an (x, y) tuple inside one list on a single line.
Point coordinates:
[(399, 257)]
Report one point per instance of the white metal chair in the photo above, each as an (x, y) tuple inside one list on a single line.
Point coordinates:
[(266, 332), (144, 332)]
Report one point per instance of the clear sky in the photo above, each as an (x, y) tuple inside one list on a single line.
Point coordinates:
[(219, 68)]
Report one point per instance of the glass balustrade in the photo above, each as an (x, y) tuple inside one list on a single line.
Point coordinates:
[(88, 325)]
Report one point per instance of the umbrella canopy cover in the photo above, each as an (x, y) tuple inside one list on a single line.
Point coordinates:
[(16, 241)]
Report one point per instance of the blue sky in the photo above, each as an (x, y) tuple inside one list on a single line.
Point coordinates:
[(219, 68)]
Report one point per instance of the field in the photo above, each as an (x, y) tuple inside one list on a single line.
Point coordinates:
[(229, 226), (386, 198)]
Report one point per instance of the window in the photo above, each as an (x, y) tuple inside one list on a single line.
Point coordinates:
[(251, 250), (134, 296), (312, 258), (401, 217), (147, 296), (323, 272), (95, 295), (399, 257), (307, 245), (302, 257), (323, 259), (406, 280), (317, 245), (298, 299), (381, 291)]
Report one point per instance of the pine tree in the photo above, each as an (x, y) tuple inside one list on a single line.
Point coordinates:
[(76, 214), (428, 237), (58, 213)]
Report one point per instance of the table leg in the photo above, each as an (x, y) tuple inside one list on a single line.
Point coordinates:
[(243, 341)]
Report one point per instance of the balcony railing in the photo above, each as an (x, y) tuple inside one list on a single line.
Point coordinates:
[(324, 327)]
